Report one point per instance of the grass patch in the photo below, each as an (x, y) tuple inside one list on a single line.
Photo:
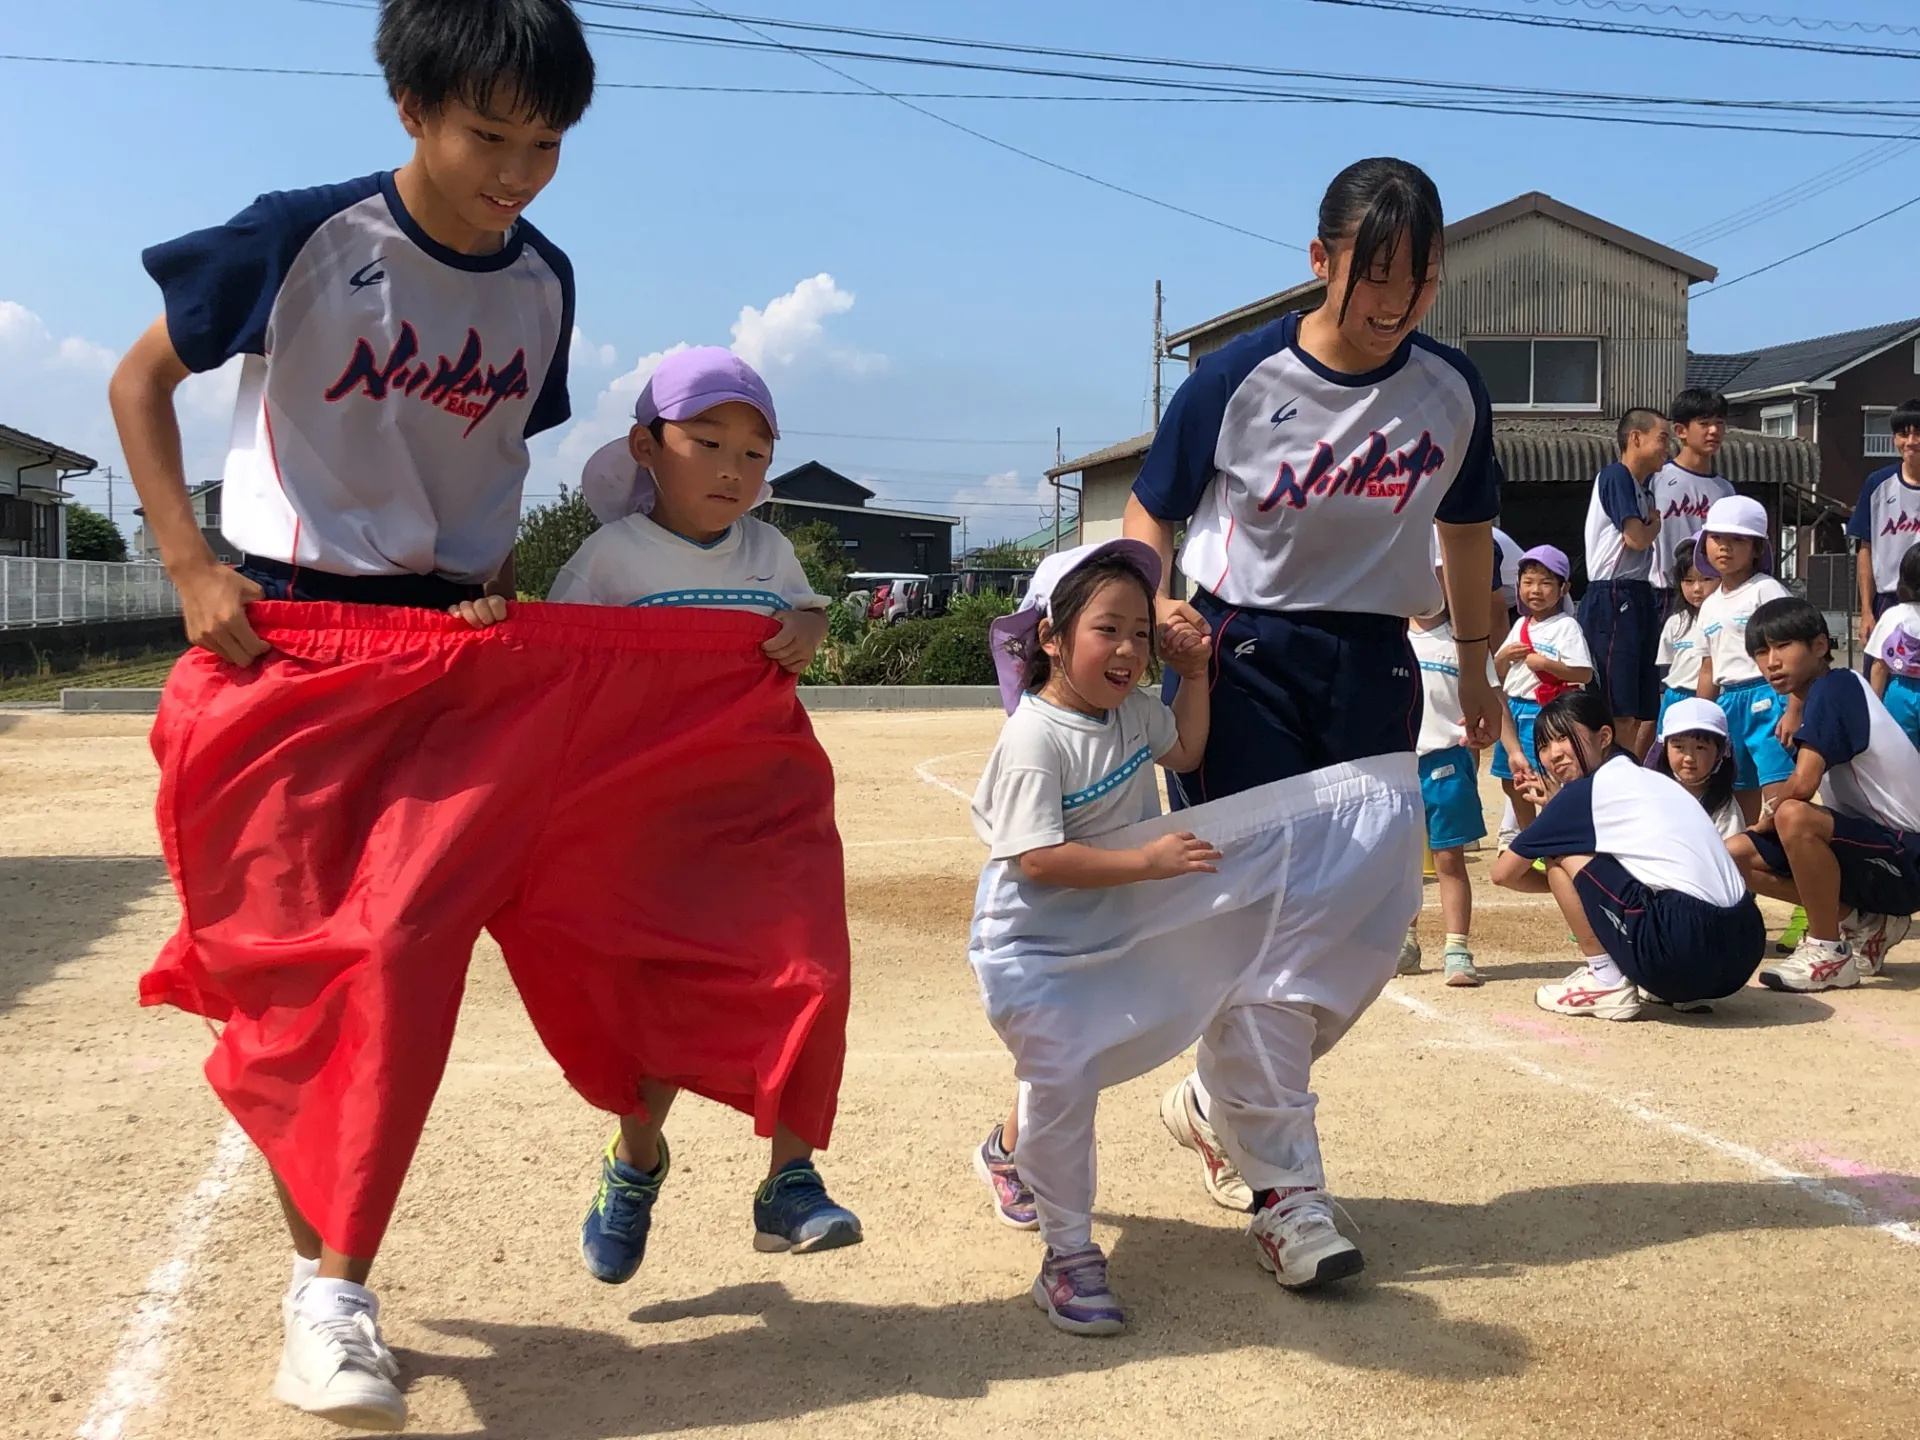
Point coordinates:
[(147, 671)]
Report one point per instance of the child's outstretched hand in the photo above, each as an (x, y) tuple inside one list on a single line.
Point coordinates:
[(1179, 854), (487, 610), (801, 634), (1187, 652)]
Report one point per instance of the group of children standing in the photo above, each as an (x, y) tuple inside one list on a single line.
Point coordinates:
[(353, 786)]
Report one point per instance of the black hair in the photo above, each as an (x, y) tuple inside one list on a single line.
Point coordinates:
[(1372, 205), (472, 51), (1697, 403), (1576, 709), (1541, 565), (1719, 789), (1638, 420), (1069, 598), (1785, 621), (1909, 591), (1907, 417), (1683, 556)]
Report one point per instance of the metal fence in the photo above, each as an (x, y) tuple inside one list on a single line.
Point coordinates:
[(74, 592)]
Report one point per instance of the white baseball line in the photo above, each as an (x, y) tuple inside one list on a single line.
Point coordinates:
[(1809, 1185), (925, 772), (134, 1383)]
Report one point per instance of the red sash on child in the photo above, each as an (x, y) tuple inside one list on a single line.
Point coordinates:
[(1547, 687)]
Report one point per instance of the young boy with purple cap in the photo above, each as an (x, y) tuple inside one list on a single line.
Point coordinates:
[(673, 496), (1544, 656)]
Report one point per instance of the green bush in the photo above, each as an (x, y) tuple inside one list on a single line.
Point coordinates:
[(549, 534), (951, 650), (91, 536)]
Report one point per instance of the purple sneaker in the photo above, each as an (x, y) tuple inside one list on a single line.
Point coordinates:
[(1072, 1289), (1012, 1200)]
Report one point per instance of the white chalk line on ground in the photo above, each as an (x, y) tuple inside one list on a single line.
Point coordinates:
[(1810, 1185), (925, 771), (134, 1383), (917, 840)]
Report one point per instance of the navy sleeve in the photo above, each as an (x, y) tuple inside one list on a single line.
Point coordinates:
[(553, 406), (1835, 724), (1619, 496), (220, 284), (1499, 562), (1860, 526), (1474, 496), (1563, 827), (1179, 465)]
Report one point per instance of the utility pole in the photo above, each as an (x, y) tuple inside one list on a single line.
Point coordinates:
[(1059, 459), (1159, 348), (110, 494)]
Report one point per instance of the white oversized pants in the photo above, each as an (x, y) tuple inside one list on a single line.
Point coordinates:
[(1266, 964)]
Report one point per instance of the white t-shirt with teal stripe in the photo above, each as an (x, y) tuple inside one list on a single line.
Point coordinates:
[(638, 563), (1057, 775)]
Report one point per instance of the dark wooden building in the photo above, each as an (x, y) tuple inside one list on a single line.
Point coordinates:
[(874, 537)]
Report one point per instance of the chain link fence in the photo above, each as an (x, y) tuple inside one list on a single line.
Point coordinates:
[(74, 592)]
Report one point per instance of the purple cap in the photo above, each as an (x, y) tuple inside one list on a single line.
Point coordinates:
[(1014, 637), (1551, 556), (685, 384)]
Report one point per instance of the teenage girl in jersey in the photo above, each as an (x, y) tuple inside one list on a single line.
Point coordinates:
[(1306, 462), (1642, 878)]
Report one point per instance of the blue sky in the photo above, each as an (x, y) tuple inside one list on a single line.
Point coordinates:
[(972, 294)]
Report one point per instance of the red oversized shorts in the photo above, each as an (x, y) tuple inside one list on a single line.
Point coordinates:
[(632, 802)]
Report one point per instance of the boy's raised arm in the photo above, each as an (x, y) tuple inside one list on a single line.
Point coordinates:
[(213, 597)]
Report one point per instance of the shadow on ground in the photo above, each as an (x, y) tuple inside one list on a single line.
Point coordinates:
[(53, 909), (1194, 1292)]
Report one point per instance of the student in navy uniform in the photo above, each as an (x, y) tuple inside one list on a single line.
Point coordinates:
[(1307, 463), (1886, 520), (1619, 613), (404, 335), (1688, 484), (1638, 870), (1854, 862)]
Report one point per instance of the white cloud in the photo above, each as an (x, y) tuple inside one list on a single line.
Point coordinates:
[(611, 417), (583, 354), (790, 327)]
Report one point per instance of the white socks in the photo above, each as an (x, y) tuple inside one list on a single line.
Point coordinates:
[(303, 1271), (1606, 972)]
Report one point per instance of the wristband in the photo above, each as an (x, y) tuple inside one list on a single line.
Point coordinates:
[(1475, 640)]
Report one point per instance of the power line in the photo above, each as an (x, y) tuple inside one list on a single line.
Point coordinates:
[(1818, 245), (1608, 27), (1794, 195), (1723, 17)]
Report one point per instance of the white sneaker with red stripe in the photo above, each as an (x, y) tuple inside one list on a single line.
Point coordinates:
[(1585, 994), (1296, 1242), (1812, 966), (1871, 936), (1180, 1113)]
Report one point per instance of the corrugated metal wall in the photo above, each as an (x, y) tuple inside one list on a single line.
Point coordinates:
[(1537, 277)]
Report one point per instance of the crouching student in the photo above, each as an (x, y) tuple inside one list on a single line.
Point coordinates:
[(1638, 870), (1854, 863)]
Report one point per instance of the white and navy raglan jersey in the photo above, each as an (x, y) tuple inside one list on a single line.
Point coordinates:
[(1305, 489), (1682, 647), (1647, 821), (390, 384), (1681, 498), (1895, 641), (1723, 627), (1557, 636), (1887, 518), (1443, 723), (1873, 771), (1617, 498), (1057, 775), (637, 563)]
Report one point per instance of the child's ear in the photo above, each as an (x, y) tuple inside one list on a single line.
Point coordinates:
[(642, 446)]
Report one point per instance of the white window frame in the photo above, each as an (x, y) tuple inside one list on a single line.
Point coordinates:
[(1501, 407), (1874, 445), (1789, 412)]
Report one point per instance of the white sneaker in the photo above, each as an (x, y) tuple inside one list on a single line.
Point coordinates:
[(1871, 936), (1295, 1239), (1583, 994), (336, 1366), (1812, 967), (1508, 834), (1180, 1113)]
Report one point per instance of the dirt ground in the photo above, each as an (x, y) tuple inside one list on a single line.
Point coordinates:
[(1688, 1226)]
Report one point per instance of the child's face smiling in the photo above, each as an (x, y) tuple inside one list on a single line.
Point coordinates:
[(1539, 590), (1907, 442), (480, 169), (707, 470), (1105, 656)]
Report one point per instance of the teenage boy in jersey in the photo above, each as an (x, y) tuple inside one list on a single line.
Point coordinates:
[(1687, 485), (1886, 520), (403, 335), (1618, 612), (1853, 862)]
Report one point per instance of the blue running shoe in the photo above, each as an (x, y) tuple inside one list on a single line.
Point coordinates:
[(613, 1237), (793, 1211)]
